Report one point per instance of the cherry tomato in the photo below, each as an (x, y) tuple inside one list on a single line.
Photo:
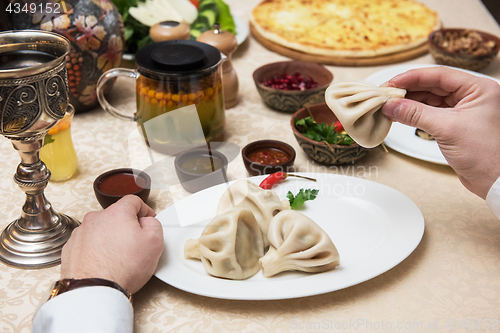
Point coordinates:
[(338, 126)]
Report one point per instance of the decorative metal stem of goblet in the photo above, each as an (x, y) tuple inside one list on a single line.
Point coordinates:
[(36, 238)]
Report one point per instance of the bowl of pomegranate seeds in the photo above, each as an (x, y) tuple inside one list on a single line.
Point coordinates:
[(463, 48), (290, 85)]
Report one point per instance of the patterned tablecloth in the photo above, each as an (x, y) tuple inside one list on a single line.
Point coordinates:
[(450, 282)]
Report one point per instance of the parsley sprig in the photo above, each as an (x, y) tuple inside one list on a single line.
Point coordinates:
[(322, 132), (301, 197)]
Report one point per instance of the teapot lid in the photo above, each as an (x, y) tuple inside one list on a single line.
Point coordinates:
[(177, 57)]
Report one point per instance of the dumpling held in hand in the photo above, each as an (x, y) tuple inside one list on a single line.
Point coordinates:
[(230, 245), (297, 243), (357, 106)]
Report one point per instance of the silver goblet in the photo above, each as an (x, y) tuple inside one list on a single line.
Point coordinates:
[(33, 97)]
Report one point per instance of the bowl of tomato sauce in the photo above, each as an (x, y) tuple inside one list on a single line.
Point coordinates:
[(112, 185), (268, 156)]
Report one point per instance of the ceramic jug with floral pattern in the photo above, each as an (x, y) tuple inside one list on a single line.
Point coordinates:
[(95, 30)]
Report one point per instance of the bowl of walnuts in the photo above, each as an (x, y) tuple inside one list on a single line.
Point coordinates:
[(464, 48)]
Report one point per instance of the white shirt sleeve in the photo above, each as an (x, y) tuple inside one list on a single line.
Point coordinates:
[(86, 310), (493, 198)]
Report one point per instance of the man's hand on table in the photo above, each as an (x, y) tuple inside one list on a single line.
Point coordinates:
[(122, 243), (462, 112)]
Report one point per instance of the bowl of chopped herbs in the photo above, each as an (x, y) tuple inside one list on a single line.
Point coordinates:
[(322, 137)]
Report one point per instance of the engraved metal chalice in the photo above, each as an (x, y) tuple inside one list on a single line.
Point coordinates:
[(33, 97)]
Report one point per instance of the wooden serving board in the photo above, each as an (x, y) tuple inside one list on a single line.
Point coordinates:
[(340, 61)]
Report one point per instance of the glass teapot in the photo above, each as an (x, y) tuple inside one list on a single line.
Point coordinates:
[(172, 76)]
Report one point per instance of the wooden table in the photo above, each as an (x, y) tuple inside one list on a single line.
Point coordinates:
[(451, 279)]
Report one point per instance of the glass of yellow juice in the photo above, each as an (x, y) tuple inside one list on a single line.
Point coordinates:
[(58, 152)]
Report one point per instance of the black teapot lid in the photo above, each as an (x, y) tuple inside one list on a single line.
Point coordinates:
[(177, 57)]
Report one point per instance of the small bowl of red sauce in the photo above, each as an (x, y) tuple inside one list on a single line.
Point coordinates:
[(112, 185), (268, 156)]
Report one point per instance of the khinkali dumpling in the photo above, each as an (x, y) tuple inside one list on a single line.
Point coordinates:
[(357, 105), (297, 243), (286, 204), (192, 249), (263, 203), (230, 245)]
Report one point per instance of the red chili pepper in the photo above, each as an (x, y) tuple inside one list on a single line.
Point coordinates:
[(338, 126), (272, 179), (276, 177)]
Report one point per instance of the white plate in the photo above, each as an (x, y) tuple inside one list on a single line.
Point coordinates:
[(373, 226), (242, 29), (402, 138)]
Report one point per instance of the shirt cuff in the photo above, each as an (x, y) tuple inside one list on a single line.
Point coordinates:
[(493, 198), (90, 309)]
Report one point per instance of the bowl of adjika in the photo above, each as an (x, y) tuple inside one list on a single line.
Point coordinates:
[(268, 156)]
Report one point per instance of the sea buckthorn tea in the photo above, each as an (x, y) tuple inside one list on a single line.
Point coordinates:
[(158, 96), (172, 75)]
